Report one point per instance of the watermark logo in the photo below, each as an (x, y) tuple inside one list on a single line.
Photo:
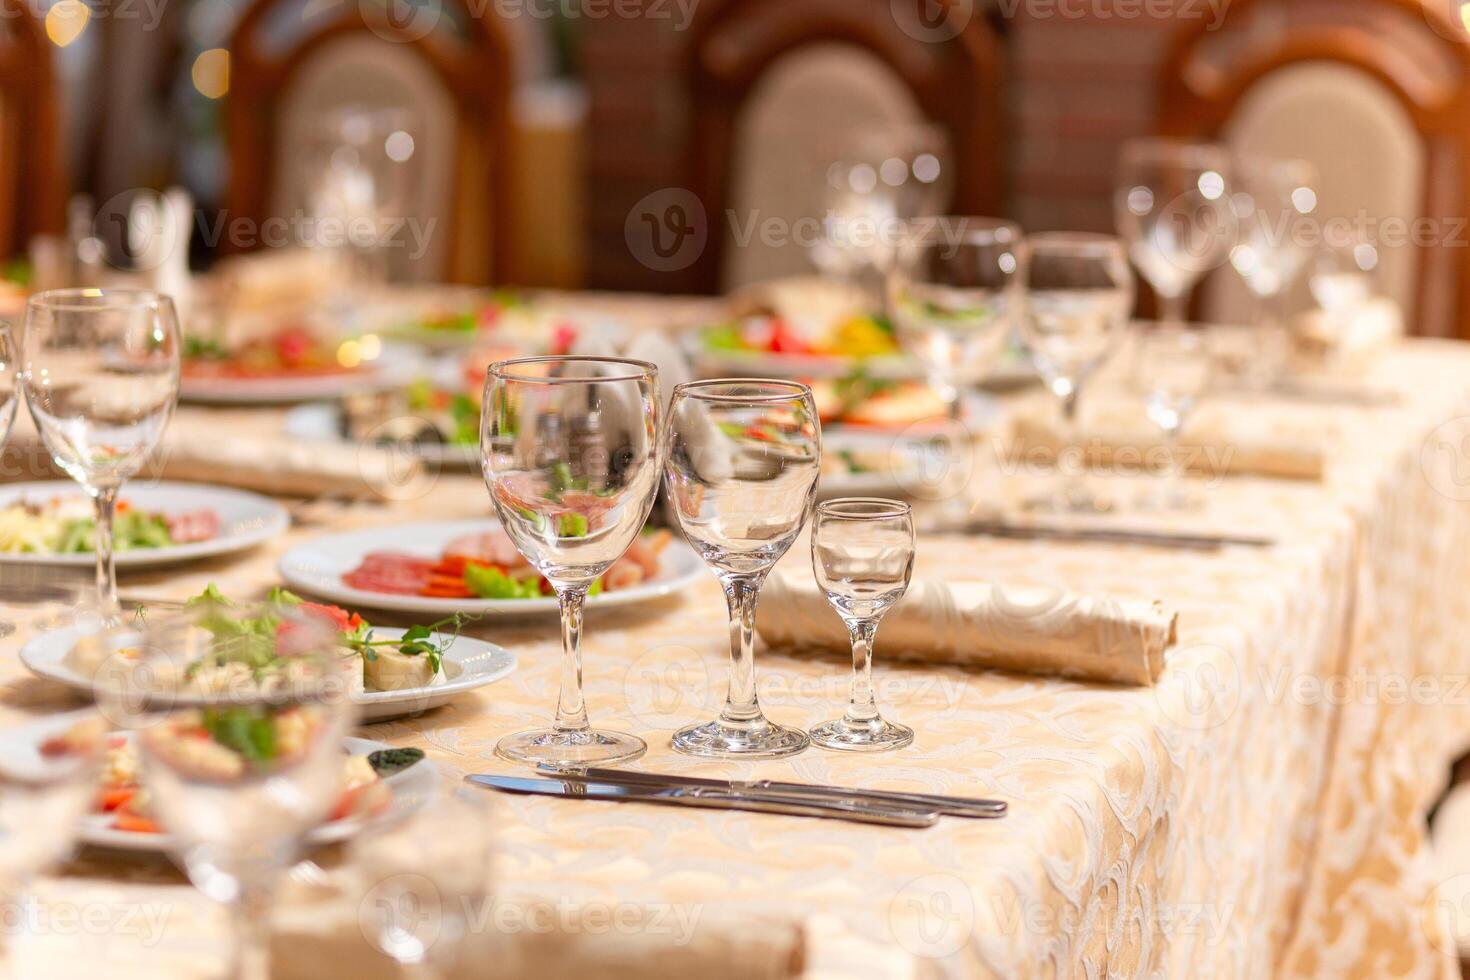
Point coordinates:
[(667, 230), (668, 686), (932, 21), (933, 916), (1445, 459), (1450, 19), (1200, 689), (402, 916)]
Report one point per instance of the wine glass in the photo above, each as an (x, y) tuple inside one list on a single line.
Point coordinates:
[(884, 178), (8, 403), (241, 769), (1342, 276), (426, 875), (1172, 207), (863, 557), (100, 372), (1273, 201), (1078, 298), (741, 460), (1173, 369), (48, 779), (571, 507)]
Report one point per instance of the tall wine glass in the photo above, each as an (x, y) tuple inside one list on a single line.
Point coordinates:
[(1079, 295), (742, 458), (8, 403), (1273, 201), (571, 507), (863, 557), (100, 371), (238, 775), (1172, 208)]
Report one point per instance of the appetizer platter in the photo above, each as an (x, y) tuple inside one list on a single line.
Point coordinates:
[(442, 318), (296, 362), (378, 781), (392, 672), (469, 567), (51, 523)]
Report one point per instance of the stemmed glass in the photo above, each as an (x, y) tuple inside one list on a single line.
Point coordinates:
[(1172, 208), (1273, 200), (1173, 369), (48, 779), (885, 178), (239, 774), (1078, 299), (863, 557), (8, 403), (742, 458), (571, 507), (100, 372)]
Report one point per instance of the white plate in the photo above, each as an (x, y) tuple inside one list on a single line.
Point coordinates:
[(412, 788), (468, 663), (245, 520), (318, 566), (395, 367), (1015, 370), (322, 422)]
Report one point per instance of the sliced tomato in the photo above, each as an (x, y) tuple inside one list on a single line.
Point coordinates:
[(131, 822)]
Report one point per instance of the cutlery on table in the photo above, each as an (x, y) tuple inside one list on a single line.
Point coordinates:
[(954, 806), (890, 815), (1157, 539)]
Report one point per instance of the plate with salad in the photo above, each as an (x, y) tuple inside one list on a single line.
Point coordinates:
[(472, 568), (392, 671), (377, 781), (291, 364), (51, 523), (445, 318)]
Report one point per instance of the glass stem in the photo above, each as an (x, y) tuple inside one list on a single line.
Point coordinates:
[(1173, 310), (1069, 484), (250, 919), (105, 504), (741, 594), (1174, 472), (571, 709), (862, 709)]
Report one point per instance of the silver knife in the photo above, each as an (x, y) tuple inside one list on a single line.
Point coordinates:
[(954, 806), (887, 815), (1109, 535)]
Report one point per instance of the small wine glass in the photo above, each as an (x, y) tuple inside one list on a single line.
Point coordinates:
[(1172, 208), (242, 769), (8, 403), (1273, 200), (742, 458), (100, 372), (427, 874), (48, 780), (1173, 369), (863, 557), (571, 508), (1078, 299)]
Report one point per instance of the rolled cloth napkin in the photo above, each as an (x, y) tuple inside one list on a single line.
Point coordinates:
[(1033, 630), (1214, 442), (288, 467)]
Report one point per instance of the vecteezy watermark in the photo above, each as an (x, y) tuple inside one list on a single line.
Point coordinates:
[(680, 12), (1282, 685), (1450, 19), (1201, 688), (143, 922), (1445, 915), (932, 21), (1211, 11), (1445, 459), (668, 686), (1208, 922), (321, 231), (150, 12), (933, 916), (667, 230)]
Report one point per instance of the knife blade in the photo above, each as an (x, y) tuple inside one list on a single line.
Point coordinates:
[(955, 806), (886, 815), (1109, 535)]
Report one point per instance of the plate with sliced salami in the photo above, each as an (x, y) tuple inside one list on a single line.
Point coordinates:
[(470, 567)]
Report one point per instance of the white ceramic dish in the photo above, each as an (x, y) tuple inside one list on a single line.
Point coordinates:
[(246, 519), (396, 366)]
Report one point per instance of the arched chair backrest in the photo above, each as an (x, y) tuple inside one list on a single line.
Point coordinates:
[(765, 70), (32, 181), (450, 66), (1374, 93)]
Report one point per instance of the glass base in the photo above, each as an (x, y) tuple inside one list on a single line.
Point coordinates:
[(570, 750), (874, 736), (761, 739)]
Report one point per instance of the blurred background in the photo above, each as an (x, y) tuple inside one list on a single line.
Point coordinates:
[(688, 146)]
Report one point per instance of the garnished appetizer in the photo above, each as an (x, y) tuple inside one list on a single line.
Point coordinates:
[(293, 351), (805, 316), (488, 566), (65, 525), (866, 401)]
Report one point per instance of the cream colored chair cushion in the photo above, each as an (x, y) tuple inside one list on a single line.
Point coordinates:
[(794, 123), (1369, 156), (366, 70)]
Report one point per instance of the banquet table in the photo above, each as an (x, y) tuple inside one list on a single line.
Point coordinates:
[(1260, 811)]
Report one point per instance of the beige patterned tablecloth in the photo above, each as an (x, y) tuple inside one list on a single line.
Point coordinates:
[(1259, 812)]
